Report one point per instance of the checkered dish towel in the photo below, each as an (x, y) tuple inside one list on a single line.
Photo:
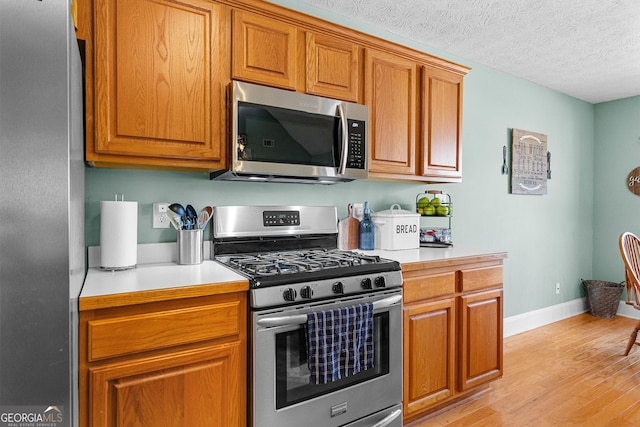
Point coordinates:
[(339, 342)]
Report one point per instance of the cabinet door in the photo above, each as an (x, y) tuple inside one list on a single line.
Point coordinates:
[(429, 354), (480, 338), (198, 388), (264, 50), (390, 93), (157, 90), (333, 67), (441, 123)]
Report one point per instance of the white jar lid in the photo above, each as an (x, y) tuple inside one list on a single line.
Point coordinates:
[(395, 211)]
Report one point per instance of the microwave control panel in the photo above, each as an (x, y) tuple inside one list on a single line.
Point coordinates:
[(357, 153)]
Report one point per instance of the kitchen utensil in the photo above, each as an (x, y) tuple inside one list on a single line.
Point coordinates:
[(192, 217), (505, 168), (548, 164), (349, 231), (204, 216), (179, 209), (174, 219)]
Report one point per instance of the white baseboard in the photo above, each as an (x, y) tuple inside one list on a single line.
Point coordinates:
[(534, 319), (628, 311)]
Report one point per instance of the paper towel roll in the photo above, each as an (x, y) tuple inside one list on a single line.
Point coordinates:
[(118, 235)]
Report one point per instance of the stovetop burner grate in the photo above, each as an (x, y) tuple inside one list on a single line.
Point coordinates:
[(289, 262)]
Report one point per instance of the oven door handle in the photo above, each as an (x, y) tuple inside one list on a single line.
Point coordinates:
[(299, 319), (389, 418)]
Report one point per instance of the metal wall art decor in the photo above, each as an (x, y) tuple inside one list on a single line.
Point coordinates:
[(530, 162)]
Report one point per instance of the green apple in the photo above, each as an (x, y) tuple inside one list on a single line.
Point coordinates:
[(423, 202), (435, 201), (429, 210), (442, 210)]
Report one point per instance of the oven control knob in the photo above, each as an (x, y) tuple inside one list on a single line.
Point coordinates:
[(338, 288), (306, 292), (379, 282), (366, 283), (289, 294)]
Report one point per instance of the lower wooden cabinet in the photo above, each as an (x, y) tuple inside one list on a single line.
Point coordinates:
[(480, 338), (452, 332), (172, 363), (429, 367)]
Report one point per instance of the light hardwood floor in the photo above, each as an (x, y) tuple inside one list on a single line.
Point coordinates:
[(568, 373)]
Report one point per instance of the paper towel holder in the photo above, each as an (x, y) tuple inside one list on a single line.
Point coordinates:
[(122, 251)]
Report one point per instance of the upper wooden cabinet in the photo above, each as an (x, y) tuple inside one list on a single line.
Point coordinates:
[(158, 71), (391, 89), (158, 84), (441, 124), (332, 67), (275, 53), (264, 50)]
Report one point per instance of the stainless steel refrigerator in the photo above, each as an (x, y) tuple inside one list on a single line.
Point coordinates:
[(42, 251)]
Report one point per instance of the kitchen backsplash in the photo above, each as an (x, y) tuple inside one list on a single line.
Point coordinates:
[(147, 187)]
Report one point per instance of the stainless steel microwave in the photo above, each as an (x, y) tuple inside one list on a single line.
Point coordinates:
[(283, 136)]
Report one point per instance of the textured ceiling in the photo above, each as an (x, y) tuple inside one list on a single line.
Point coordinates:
[(589, 49)]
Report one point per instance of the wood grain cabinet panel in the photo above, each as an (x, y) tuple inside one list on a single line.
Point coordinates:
[(190, 389), (429, 347), (391, 92), (480, 338), (441, 124), (480, 278), (332, 67), (264, 50), (142, 332), (423, 287), (158, 95), (178, 363), (452, 333)]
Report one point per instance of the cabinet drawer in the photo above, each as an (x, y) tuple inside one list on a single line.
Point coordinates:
[(135, 333), (426, 287), (480, 278)]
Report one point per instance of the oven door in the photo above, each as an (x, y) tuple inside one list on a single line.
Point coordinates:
[(282, 391)]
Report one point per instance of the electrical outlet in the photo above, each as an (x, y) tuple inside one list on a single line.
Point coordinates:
[(160, 219), (557, 288)]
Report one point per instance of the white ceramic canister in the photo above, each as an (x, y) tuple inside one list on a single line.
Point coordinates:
[(396, 229)]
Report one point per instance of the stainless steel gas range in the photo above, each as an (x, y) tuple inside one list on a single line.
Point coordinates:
[(326, 324)]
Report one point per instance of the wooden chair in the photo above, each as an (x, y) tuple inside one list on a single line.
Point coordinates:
[(630, 251)]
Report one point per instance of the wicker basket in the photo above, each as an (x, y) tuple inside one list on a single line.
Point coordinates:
[(603, 297)]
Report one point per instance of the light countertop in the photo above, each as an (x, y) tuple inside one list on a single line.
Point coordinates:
[(167, 280), (426, 255), (155, 282)]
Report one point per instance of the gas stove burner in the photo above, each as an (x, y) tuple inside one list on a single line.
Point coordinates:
[(297, 261), (275, 263)]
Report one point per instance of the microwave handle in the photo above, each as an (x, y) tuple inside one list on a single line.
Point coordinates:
[(299, 319), (345, 140)]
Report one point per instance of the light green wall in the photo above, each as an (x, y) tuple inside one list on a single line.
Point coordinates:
[(548, 238), (616, 209)]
